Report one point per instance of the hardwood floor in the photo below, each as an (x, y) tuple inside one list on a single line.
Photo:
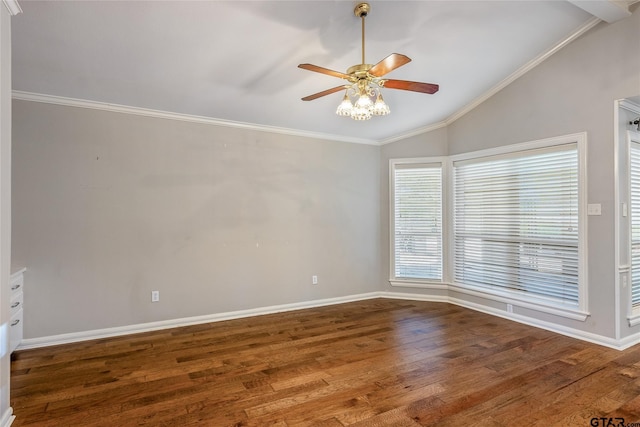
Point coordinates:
[(370, 363)]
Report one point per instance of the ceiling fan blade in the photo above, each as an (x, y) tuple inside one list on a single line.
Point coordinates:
[(412, 86), (322, 70), (388, 64), (323, 93)]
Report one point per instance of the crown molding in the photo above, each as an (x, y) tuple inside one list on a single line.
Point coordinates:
[(523, 70), (79, 103), (12, 6), (146, 112), (630, 106), (501, 85), (418, 131), (608, 10)]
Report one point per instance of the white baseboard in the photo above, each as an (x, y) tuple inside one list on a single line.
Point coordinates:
[(166, 324), (7, 418), (559, 329), (186, 321), (629, 341)]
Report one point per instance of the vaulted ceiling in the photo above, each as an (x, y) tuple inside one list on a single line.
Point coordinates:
[(235, 62)]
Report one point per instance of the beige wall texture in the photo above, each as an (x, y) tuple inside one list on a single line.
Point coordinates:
[(109, 207)]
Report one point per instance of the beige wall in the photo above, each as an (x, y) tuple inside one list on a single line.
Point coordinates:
[(110, 206), (573, 91)]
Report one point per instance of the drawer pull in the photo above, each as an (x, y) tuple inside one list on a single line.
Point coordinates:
[(15, 304), (15, 322), (15, 287)]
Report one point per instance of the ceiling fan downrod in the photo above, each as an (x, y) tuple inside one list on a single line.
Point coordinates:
[(361, 11)]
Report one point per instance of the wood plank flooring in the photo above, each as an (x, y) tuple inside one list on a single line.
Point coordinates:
[(371, 363)]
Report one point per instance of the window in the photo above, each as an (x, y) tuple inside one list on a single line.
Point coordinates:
[(416, 220), (634, 199), (517, 223)]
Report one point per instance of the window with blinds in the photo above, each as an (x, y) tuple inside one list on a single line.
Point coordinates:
[(634, 199), (516, 224), (416, 221)]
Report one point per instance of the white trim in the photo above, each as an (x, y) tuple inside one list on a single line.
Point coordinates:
[(416, 283), (624, 270), (629, 341), (501, 85), (553, 327), (523, 146), (523, 70), (13, 7), (7, 417), (580, 139), (436, 162), (415, 297), (419, 131), (583, 223), (186, 321), (628, 105), (526, 320), (507, 298), (491, 295), (154, 326), (616, 219), (633, 319), (71, 102), (17, 273), (448, 222), (608, 10), (147, 112), (633, 316)]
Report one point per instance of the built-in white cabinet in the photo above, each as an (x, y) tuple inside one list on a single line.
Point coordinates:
[(16, 283)]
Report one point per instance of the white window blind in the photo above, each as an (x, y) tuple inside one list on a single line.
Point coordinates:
[(417, 216), (516, 224), (634, 190)]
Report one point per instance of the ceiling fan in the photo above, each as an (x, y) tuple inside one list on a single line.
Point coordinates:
[(366, 80)]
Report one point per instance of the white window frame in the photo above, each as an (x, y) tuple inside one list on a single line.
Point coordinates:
[(529, 301), (633, 312), (438, 162)]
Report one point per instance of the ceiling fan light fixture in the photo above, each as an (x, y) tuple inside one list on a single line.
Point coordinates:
[(363, 108), (346, 107), (380, 108)]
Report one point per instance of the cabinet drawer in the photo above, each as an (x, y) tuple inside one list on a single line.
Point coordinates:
[(16, 283), (15, 330), (17, 301)]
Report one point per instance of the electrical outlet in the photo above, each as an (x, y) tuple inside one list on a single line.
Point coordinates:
[(314, 280), (155, 296), (594, 209), (509, 308)]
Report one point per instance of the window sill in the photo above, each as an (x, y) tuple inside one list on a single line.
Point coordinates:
[(634, 319), (418, 283), (517, 300)]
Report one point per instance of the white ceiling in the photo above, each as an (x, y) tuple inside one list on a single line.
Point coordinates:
[(237, 60)]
